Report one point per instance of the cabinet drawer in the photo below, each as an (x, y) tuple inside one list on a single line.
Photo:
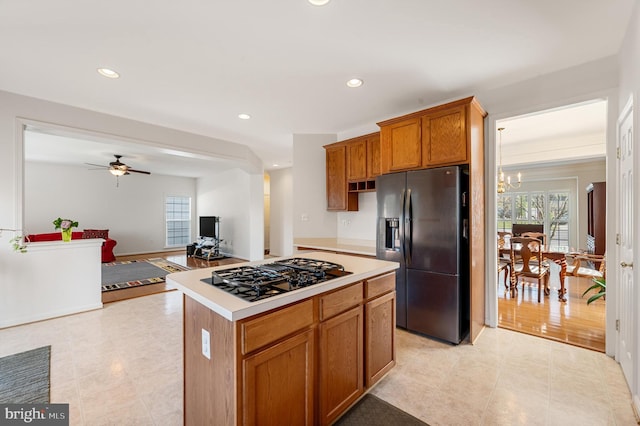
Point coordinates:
[(268, 328), (382, 284), (340, 300)]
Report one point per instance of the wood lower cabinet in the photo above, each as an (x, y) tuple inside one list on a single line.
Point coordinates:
[(278, 383), (301, 364), (341, 363), (380, 326)]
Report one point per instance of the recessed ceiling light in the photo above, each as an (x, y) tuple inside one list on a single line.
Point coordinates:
[(318, 2), (244, 116), (275, 165), (354, 82), (109, 73)]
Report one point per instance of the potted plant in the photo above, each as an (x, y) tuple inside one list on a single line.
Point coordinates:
[(65, 226), (601, 286)]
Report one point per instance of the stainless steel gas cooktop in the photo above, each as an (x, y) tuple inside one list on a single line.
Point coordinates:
[(258, 282)]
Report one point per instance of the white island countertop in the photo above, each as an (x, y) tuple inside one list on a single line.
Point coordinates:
[(234, 308)]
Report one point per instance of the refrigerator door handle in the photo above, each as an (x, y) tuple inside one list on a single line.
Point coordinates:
[(407, 241), (403, 248)]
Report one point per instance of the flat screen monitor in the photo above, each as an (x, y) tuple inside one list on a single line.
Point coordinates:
[(518, 229), (209, 226)]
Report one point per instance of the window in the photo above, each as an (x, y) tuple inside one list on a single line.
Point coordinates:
[(178, 220), (548, 208)]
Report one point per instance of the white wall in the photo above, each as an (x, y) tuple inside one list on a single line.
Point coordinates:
[(310, 215), (237, 198), (630, 87), (360, 227), (66, 281), (133, 212), (281, 240)]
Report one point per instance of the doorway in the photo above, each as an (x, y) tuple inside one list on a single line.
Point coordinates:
[(558, 154)]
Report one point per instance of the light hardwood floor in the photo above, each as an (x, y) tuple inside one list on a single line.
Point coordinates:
[(572, 322), (178, 257)]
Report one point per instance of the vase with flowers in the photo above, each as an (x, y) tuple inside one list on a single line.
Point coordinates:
[(65, 226)]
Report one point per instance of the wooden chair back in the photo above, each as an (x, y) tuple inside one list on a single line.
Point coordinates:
[(538, 236), (526, 261)]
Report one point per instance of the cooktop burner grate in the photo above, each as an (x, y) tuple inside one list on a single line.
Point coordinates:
[(258, 282)]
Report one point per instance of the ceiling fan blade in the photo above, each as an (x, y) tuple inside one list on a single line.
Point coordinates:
[(138, 171), (97, 165)]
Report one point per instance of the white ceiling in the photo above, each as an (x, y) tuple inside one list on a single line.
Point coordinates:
[(194, 65)]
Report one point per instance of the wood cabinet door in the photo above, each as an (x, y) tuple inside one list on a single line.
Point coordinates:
[(278, 383), (380, 328), (341, 363), (357, 160), (336, 178), (400, 145), (373, 156), (444, 138)]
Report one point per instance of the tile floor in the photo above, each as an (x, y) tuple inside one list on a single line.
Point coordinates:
[(122, 365)]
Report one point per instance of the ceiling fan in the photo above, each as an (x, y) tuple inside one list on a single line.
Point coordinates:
[(118, 168)]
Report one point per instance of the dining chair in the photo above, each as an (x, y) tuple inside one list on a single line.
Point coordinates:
[(504, 264), (526, 262), (538, 236), (587, 265)]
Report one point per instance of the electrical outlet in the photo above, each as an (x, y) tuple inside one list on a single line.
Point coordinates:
[(304, 217), (206, 344)]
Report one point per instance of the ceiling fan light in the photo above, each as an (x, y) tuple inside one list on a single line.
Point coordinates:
[(117, 172)]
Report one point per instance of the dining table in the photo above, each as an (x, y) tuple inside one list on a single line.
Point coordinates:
[(557, 257)]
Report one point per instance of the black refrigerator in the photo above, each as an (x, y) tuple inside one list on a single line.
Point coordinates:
[(423, 219)]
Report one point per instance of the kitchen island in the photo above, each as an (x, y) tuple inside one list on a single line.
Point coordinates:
[(300, 357)]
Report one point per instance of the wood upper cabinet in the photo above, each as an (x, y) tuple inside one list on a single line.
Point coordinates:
[(337, 196), (437, 136), (400, 145), (373, 155), (352, 166), (444, 138), (356, 160)]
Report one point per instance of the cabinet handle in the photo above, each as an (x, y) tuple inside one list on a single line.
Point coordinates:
[(626, 265)]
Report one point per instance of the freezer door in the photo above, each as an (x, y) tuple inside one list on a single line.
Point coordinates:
[(434, 305), (389, 236), (433, 233)]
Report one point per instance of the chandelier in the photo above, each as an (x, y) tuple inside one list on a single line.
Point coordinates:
[(502, 185)]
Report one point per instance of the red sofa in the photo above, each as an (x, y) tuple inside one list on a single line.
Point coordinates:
[(107, 246)]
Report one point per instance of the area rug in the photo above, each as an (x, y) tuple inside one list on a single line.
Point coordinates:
[(372, 411), (133, 273), (24, 377)]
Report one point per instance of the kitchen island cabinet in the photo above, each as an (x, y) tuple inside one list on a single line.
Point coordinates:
[(296, 358)]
